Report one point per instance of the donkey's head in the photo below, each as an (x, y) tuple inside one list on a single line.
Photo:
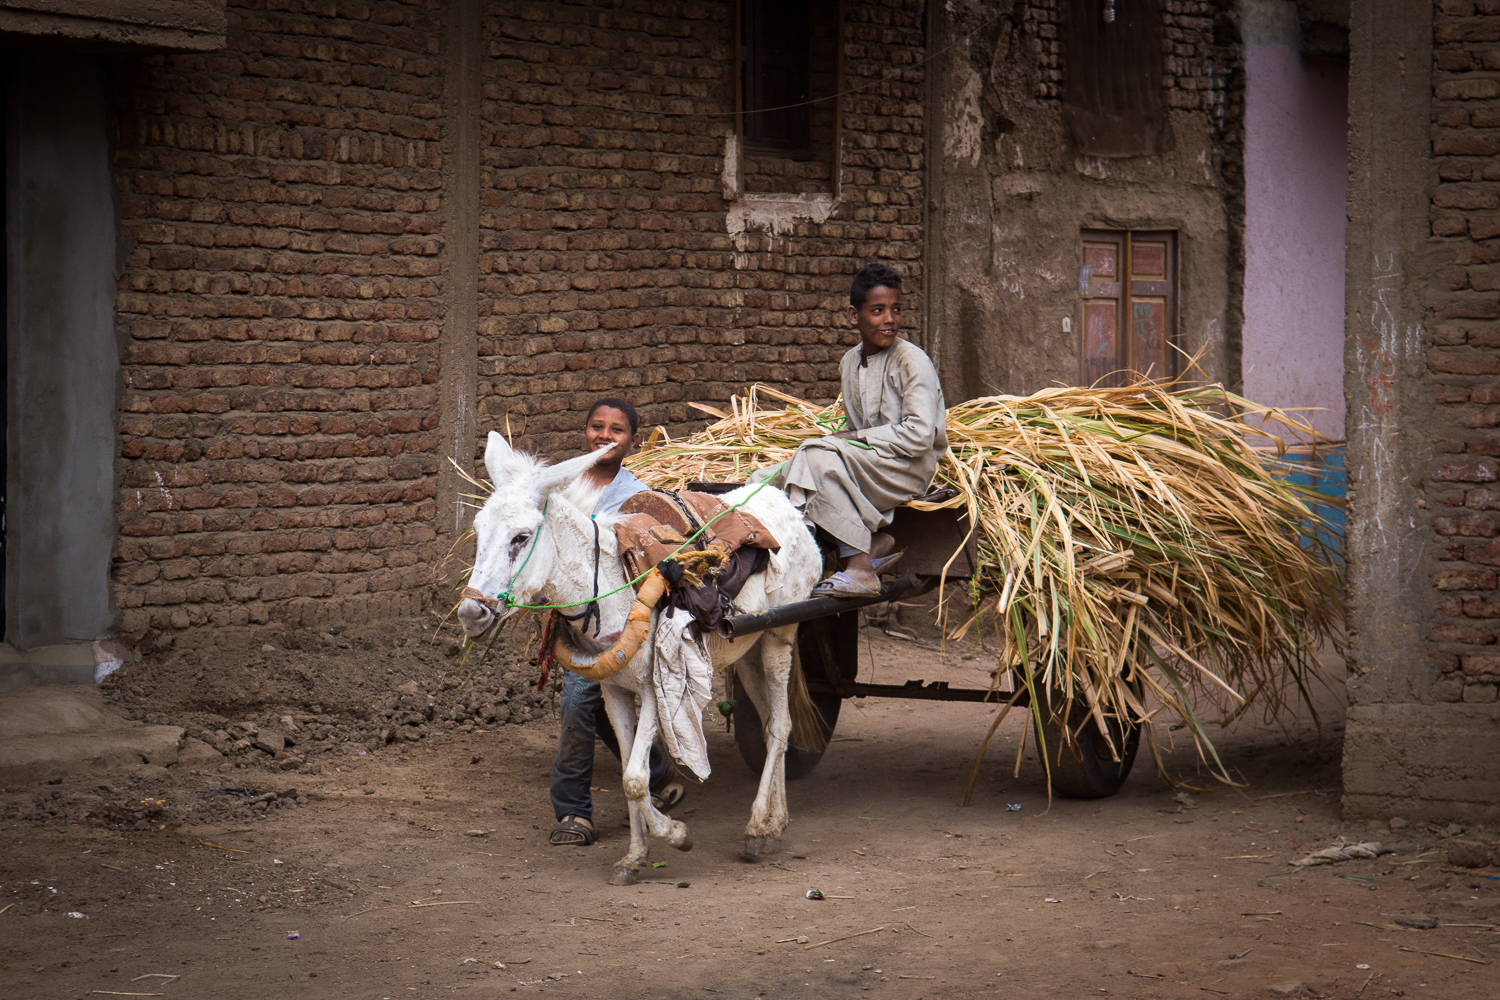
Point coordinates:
[(512, 555)]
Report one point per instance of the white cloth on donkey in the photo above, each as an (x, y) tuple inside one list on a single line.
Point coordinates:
[(684, 678)]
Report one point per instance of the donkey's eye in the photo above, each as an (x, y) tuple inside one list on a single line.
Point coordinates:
[(521, 539)]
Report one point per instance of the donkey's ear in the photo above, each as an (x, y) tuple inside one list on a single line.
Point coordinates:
[(497, 453), (559, 476)]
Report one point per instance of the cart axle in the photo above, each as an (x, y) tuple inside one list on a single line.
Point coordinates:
[(922, 691), (735, 626)]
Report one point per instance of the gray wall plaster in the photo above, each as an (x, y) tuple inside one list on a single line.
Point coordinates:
[(62, 359)]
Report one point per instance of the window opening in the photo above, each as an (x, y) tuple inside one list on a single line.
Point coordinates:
[(789, 74), (1128, 285), (1112, 95)]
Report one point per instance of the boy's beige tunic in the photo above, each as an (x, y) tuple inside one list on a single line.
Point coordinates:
[(852, 491)]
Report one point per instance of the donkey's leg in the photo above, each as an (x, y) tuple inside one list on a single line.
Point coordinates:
[(769, 669), (621, 708), (638, 778), (635, 750)]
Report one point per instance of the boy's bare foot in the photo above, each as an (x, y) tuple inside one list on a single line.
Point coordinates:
[(861, 572), (858, 578)]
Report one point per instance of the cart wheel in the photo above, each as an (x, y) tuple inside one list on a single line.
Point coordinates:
[(750, 736), (1086, 768)]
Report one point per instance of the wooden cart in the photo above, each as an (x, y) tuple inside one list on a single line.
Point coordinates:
[(1081, 761)]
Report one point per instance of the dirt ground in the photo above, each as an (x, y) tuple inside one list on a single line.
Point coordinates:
[(419, 868)]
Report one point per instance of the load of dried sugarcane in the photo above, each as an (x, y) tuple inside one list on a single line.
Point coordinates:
[(1137, 553)]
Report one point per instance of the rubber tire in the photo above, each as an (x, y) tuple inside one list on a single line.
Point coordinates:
[(750, 737), (1087, 769)]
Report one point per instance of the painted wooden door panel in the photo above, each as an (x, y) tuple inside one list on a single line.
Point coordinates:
[(1103, 289), (1148, 258), (1148, 337), (1101, 341), (1102, 259)]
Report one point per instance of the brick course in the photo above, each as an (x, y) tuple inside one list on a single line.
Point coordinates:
[(1464, 356)]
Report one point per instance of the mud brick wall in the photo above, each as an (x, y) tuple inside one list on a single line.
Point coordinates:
[(279, 203), (608, 264), (1043, 24), (281, 304), (1464, 361), (1187, 43)]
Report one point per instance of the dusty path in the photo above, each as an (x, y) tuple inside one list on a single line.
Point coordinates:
[(1140, 895)]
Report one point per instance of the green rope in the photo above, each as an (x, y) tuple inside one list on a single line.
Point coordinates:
[(504, 598)]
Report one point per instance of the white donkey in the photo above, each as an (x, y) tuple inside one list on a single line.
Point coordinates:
[(536, 546)]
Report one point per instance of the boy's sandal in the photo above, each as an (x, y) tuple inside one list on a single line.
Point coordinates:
[(573, 831), (669, 796), (886, 563), (839, 585)]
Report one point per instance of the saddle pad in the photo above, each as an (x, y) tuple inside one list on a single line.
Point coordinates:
[(709, 603), (732, 530), (639, 546), (661, 508), (642, 548)]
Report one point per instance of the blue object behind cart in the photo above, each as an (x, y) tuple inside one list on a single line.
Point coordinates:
[(1323, 471)]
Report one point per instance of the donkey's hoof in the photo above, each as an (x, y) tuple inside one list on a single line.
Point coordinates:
[(761, 847), (624, 876), (685, 842)]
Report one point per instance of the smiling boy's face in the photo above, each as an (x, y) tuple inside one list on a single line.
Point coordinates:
[(878, 319), (608, 425)]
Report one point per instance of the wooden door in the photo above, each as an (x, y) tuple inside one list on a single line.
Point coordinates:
[(1129, 310)]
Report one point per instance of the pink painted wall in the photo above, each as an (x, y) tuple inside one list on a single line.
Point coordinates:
[(1296, 174)]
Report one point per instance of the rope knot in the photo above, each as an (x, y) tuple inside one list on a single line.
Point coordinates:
[(493, 603), (695, 565)]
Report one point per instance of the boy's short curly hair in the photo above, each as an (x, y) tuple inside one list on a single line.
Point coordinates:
[(872, 276), (615, 403)]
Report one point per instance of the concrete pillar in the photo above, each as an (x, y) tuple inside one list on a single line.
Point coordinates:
[(62, 362), (1405, 753)]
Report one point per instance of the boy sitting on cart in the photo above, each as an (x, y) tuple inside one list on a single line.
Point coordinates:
[(849, 483)]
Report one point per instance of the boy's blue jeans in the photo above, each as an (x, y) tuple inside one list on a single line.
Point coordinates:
[(583, 717)]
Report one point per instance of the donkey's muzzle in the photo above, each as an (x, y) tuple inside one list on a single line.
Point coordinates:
[(476, 614)]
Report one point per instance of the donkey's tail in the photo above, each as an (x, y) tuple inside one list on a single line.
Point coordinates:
[(809, 728)]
